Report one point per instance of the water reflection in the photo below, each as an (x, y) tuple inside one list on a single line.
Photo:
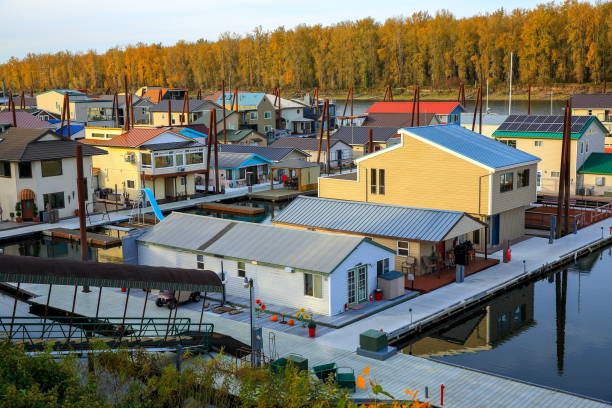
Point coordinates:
[(556, 332), (482, 329), (47, 247)]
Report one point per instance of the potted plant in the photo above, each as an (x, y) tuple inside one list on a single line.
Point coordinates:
[(18, 212), (35, 217), (312, 329)]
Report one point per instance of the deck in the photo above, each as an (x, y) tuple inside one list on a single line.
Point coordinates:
[(97, 240), (231, 208), (280, 194), (431, 281)]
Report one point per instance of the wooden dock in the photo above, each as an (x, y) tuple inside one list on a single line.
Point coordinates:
[(93, 239), (231, 208), (281, 194)]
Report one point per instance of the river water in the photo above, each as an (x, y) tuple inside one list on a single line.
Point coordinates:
[(555, 332)]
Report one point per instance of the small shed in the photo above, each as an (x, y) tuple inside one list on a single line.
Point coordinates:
[(300, 174)]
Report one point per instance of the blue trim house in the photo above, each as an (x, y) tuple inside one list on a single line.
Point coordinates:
[(234, 169)]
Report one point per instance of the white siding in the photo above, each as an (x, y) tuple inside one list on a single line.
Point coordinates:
[(275, 285)]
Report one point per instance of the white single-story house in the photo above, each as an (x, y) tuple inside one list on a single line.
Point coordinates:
[(322, 272)]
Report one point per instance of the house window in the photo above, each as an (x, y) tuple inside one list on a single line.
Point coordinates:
[(51, 168), (506, 182), (313, 285), (476, 237), (55, 200), (98, 136), (194, 157), (381, 181), (182, 180), (373, 181), (179, 158), (145, 159), (382, 266), (25, 170), (590, 112), (267, 128), (511, 143), (165, 160), (538, 143), (587, 146), (130, 184), (200, 261), (555, 173), (267, 115), (403, 248), (523, 178), (5, 169), (241, 269), (581, 147), (253, 115)]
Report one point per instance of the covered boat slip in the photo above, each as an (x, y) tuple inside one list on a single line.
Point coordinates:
[(53, 286)]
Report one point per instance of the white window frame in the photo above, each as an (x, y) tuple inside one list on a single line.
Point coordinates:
[(268, 115), (253, 115), (400, 251), (199, 261)]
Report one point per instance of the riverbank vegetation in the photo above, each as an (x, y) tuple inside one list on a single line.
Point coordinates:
[(553, 43), (140, 379)]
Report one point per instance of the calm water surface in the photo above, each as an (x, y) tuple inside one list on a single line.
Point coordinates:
[(555, 332)]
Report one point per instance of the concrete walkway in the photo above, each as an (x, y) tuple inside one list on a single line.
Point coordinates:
[(124, 215), (527, 256)]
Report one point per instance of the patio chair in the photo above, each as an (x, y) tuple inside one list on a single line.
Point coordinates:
[(409, 265), (430, 265)]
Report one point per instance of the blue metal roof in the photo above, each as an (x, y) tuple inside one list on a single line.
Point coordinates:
[(192, 133), (418, 224), (244, 98), (472, 145), (74, 129)]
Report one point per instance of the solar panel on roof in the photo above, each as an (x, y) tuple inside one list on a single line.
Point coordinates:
[(541, 123)]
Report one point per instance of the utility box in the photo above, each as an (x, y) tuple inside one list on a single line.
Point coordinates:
[(373, 340), (392, 284), (299, 361)]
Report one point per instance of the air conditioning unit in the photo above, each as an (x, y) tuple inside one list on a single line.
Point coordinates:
[(129, 157)]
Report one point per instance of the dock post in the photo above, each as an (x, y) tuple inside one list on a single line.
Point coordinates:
[(42, 334), (14, 310), (202, 312), (144, 308), (168, 324), (98, 304)]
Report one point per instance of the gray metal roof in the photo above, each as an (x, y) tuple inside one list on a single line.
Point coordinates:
[(306, 250), (358, 135), (599, 100), (294, 164), (487, 119), (395, 221), (270, 153)]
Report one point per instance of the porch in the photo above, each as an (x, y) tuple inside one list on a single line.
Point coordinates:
[(444, 274)]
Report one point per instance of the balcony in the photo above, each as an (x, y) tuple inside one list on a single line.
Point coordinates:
[(161, 171)]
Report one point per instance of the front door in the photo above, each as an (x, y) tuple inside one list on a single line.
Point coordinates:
[(357, 280), (495, 230), (169, 184), (27, 210)]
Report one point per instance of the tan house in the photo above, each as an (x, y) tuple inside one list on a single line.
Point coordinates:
[(357, 137), (542, 136), (341, 154), (94, 110), (450, 168), (410, 232), (598, 105), (257, 111)]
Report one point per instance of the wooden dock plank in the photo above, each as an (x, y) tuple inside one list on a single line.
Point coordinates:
[(231, 208), (74, 235)]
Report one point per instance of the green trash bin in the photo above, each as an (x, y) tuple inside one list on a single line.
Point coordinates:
[(345, 377), (323, 371), (373, 340), (278, 366), (300, 362)]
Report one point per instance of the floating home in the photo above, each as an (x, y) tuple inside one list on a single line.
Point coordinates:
[(341, 153), (412, 233), (445, 112), (446, 167), (542, 136), (324, 273)]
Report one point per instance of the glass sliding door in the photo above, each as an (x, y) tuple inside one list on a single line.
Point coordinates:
[(357, 282)]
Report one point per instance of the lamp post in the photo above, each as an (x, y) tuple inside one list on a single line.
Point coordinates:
[(248, 283)]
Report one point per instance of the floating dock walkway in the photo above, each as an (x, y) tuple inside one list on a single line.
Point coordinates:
[(98, 240), (231, 208), (281, 194)]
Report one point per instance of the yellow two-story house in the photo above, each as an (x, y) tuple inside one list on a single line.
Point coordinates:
[(446, 167), (598, 105), (160, 159)]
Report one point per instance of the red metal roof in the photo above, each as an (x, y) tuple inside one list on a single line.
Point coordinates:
[(24, 120), (608, 150), (133, 138), (441, 108)]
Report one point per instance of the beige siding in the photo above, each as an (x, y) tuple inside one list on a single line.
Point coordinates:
[(512, 224), (519, 196)]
